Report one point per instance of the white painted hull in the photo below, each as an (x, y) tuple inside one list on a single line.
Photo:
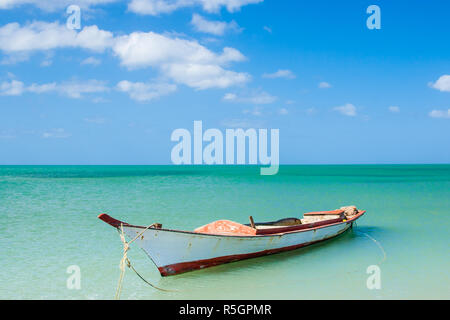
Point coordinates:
[(175, 252)]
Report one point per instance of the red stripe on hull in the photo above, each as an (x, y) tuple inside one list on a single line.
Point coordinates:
[(182, 267)]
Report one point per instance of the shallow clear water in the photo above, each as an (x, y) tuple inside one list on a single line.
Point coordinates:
[(48, 221)]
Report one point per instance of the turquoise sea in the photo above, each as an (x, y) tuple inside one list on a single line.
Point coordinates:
[(48, 222)]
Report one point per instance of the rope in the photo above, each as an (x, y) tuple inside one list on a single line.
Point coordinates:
[(378, 244), (126, 262), (358, 270)]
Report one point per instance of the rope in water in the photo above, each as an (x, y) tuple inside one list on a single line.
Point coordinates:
[(378, 244), (126, 262)]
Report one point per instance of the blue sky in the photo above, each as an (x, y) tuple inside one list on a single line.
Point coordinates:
[(113, 91)]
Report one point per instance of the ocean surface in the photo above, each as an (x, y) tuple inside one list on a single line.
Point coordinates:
[(48, 222)]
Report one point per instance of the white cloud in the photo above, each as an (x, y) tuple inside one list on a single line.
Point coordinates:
[(283, 111), (184, 61), (230, 97), (52, 5), (140, 49), (155, 7), (442, 84), (46, 63), (143, 92), (287, 74), (72, 89), (242, 123), (440, 114), (42, 88), (92, 61), (99, 100), (17, 57), (324, 85), (40, 35), (7, 135), (311, 111), (202, 77), (257, 97), (58, 133), (394, 109), (256, 111), (95, 120), (11, 88), (347, 110), (76, 89), (269, 30), (217, 28)]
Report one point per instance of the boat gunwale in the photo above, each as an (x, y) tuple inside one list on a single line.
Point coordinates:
[(108, 219)]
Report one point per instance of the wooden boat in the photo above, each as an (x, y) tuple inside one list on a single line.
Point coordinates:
[(223, 241)]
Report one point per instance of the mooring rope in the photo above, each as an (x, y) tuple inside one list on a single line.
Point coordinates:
[(125, 261), (377, 243), (358, 270)]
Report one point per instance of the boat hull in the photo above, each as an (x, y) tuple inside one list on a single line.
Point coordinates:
[(175, 252)]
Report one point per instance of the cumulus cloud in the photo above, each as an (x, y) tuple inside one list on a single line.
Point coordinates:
[(324, 85), (347, 110), (394, 109), (143, 92), (58, 133), (204, 76), (72, 89), (242, 123), (17, 57), (40, 35), (287, 74), (76, 89), (7, 135), (156, 7), (11, 88), (257, 98), (97, 120), (92, 61), (184, 61), (138, 91), (217, 28), (256, 111), (442, 84), (51, 5), (440, 114), (46, 63), (145, 49), (283, 111), (42, 88), (311, 111)]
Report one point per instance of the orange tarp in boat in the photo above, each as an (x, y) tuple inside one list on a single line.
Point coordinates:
[(226, 227)]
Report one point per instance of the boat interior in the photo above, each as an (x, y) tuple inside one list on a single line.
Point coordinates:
[(309, 220)]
